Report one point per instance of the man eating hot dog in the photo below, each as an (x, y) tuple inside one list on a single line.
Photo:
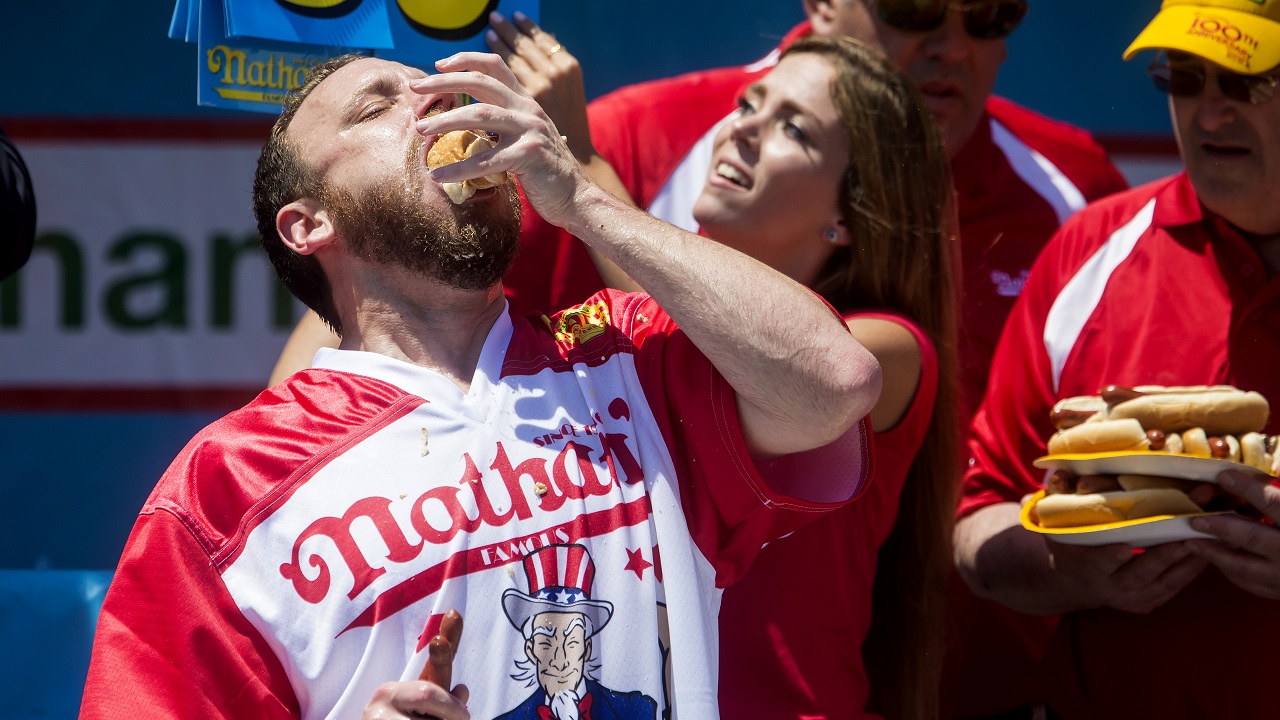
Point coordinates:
[(1174, 283)]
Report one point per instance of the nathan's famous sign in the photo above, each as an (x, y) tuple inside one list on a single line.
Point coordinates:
[(253, 52)]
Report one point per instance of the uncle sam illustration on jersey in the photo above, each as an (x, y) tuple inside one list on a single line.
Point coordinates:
[(580, 504), (558, 619)]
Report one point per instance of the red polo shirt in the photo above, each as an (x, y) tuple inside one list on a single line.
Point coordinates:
[(1144, 287)]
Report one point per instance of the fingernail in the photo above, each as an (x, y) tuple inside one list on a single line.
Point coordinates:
[(495, 18), (519, 16), (491, 36), (1199, 524)]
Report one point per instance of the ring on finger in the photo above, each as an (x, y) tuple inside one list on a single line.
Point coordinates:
[(555, 49)]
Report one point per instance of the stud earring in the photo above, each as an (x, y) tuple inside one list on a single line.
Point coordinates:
[(832, 236)]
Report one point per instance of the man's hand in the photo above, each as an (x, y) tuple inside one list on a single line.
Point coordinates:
[(1005, 562), (1247, 551), (415, 700), (428, 696), (529, 145), (1114, 576)]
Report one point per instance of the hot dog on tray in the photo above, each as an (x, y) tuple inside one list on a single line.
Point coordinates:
[(1209, 421)]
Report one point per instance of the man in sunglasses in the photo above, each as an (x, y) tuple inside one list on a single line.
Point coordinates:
[(1018, 175), (1174, 283)]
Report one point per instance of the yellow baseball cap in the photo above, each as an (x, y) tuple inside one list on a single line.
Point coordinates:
[(1240, 35)]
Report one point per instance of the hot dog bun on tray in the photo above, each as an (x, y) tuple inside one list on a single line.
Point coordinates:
[(1216, 421), (457, 146)]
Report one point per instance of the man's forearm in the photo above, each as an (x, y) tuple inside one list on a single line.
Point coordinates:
[(801, 378), (1004, 562)]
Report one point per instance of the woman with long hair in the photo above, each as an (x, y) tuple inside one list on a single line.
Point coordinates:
[(848, 612), (833, 172)]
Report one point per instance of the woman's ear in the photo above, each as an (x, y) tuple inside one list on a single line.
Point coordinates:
[(821, 14), (304, 226), (837, 234)]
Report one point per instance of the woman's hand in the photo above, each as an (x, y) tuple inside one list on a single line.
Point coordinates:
[(548, 72)]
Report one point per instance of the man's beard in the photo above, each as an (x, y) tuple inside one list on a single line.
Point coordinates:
[(564, 705), (390, 224)]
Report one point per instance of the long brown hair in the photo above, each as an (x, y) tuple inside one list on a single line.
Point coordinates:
[(896, 201)]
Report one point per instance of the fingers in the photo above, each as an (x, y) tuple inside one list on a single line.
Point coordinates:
[(439, 668), (415, 699), (1241, 532), (441, 651), (451, 628), (490, 82), (1171, 582), (1257, 491), (1252, 573)]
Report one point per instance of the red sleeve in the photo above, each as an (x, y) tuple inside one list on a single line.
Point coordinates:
[(171, 643), (1012, 425), (730, 507)]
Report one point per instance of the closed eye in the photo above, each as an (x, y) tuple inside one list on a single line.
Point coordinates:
[(372, 112)]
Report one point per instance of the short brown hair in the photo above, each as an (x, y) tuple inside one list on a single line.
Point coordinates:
[(283, 177)]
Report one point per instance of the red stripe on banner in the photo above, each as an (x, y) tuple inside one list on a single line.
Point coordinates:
[(138, 129), (477, 559), (100, 399)]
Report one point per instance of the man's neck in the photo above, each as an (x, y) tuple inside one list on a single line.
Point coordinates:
[(419, 321)]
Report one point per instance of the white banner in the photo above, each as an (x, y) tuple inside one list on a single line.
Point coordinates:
[(147, 271)]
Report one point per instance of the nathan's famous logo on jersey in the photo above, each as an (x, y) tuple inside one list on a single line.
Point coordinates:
[(579, 325), (1240, 45), (251, 75), (522, 486)]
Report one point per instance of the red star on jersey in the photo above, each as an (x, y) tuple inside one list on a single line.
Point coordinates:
[(636, 562)]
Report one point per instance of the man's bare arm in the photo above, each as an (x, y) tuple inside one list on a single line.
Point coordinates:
[(801, 379)]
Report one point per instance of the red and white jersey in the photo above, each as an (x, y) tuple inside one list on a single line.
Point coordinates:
[(1144, 287), (302, 551)]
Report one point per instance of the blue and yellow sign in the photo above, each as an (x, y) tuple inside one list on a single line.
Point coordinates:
[(253, 52)]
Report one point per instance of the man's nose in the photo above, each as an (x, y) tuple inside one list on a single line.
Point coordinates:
[(435, 103), (949, 41), (1215, 110)]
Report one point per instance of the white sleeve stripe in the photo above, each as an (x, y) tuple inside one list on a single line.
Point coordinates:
[(1035, 170), (1080, 296), (674, 202)]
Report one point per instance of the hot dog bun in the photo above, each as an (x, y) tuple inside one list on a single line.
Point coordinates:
[(1259, 451), (457, 146), (1058, 511), (1219, 411), (1100, 436), (1069, 412)]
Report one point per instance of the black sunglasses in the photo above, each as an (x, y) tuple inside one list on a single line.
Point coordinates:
[(983, 19), (1187, 82)]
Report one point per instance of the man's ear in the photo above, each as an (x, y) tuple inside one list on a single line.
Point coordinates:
[(821, 14), (304, 226)]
